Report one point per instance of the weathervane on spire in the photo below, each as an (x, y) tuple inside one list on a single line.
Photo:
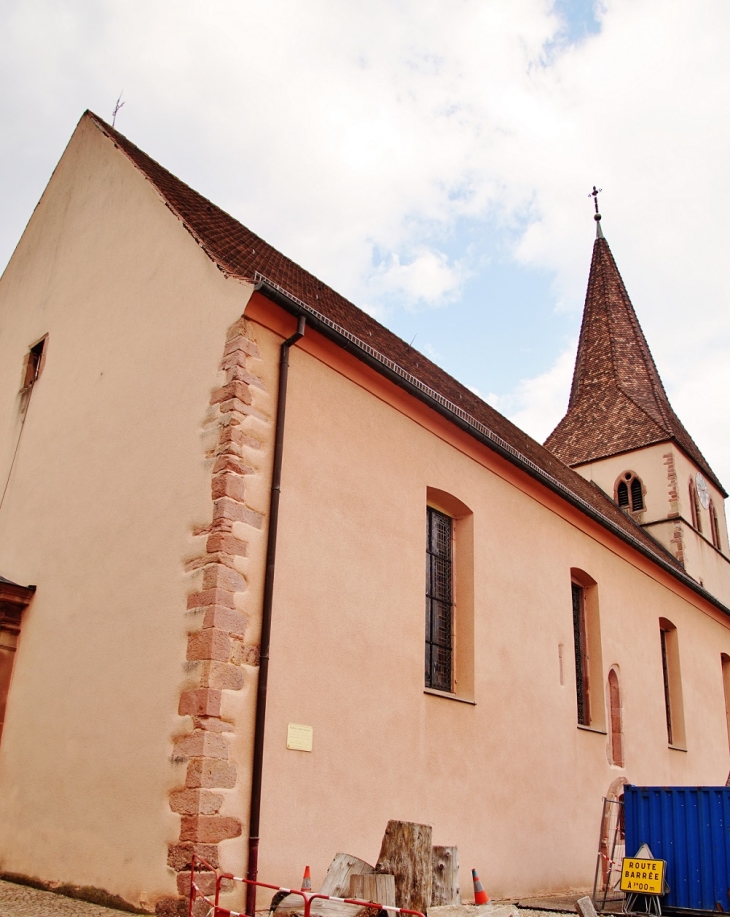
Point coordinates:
[(596, 216)]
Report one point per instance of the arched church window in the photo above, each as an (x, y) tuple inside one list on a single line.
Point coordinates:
[(615, 732), (694, 505), (714, 525), (630, 492)]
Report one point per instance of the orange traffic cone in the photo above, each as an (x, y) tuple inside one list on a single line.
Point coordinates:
[(480, 896), (307, 880)]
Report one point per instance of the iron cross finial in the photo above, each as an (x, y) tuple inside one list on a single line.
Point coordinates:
[(594, 194), (117, 107)]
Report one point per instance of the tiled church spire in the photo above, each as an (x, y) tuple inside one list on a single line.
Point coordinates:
[(617, 400)]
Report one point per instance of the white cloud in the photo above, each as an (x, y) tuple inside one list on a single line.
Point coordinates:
[(428, 278), (538, 404), (355, 137)]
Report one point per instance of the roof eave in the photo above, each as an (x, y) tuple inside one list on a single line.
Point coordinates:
[(461, 419)]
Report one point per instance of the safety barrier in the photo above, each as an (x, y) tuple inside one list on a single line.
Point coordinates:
[(217, 910)]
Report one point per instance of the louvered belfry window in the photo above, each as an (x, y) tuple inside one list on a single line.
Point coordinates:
[(439, 600), (637, 498), (623, 495), (630, 487)]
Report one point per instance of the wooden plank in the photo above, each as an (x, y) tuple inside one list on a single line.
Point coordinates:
[(445, 883), (406, 854)]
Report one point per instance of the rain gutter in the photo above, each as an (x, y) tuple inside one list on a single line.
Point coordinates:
[(460, 418)]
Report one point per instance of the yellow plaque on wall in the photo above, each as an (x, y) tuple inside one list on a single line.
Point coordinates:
[(298, 737)]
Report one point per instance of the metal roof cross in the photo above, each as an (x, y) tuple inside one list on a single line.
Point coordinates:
[(594, 194)]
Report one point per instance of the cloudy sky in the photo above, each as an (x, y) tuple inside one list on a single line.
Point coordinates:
[(430, 159)]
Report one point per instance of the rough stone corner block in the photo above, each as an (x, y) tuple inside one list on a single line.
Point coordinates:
[(209, 829), (180, 856), (195, 802), (202, 744), (205, 882), (225, 619), (212, 773), (200, 702), (171, 907), (211, 597), (210, 644), (220, 577)]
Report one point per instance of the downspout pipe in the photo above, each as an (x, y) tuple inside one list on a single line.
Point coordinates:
[(258, 742)]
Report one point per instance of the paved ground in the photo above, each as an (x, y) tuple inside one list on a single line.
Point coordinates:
[(23, 901)]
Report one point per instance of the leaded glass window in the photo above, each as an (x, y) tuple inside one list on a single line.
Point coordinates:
[(439, 600), (581, 654)]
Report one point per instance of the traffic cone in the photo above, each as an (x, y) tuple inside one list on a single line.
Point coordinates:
[(307, 880), (480, 896)]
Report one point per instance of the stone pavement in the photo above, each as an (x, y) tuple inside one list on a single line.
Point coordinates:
[(23, 901)]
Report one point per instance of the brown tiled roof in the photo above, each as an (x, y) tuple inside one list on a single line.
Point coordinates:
[(241, 253), (617, 400)]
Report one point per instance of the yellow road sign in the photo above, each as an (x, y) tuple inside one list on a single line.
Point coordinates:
[(645, 877)]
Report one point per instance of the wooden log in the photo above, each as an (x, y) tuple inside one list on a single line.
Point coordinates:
[(406, 854), (376, 887), (445, 884), (336, 884), (341, 869)]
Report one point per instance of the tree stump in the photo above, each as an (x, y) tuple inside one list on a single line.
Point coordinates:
[(406, 854), (376, 887), (445, 888)]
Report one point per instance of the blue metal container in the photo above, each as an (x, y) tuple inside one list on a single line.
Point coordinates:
[(689, 827)]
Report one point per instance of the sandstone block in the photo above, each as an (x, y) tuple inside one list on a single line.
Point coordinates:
[(209, 829), (235, 407), (241, 344), (212, 724), (228, 484), (211, 597), (171, 907), (222, 675), (202, 744), (225, 619), (232, 434), (200, 702), (211, 643), (244, 653), (210, 773), (234, 463), (221, 577), (195, 802), (204, 882), (223, 543), (234, 389), (180, 856)]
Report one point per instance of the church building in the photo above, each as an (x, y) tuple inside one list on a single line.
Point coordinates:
[(269, 577)]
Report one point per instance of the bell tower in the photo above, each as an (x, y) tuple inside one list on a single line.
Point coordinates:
[(621, 432)]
